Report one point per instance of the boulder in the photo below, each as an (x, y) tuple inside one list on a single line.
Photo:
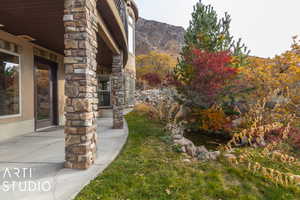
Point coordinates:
[(182, 113), (201, 149), (183, 149), (182, 142), (174, 109), (261, 142), (177, 137), (191, 150), (297, 179), (214, 155), (187, 160), (203, 156), (230, 157)]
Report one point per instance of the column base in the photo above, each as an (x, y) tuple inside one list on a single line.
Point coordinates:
[(78, 165), (118, 124)]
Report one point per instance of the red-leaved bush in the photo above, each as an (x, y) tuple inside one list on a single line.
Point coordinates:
[(206, 75), (211, 71), (293, 136), (153, 79)]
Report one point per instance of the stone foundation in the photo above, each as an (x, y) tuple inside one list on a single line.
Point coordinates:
[(117, 89), (80, 82), (129, 88)]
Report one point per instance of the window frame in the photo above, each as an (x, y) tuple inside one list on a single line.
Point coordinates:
[(131, 25), (20, 89)]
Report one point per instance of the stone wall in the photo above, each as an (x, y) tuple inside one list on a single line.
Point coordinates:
[(117, 90), (129, 82), (154, 96), (80, 21)]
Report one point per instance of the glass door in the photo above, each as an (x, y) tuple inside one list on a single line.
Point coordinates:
[(44, 95), (104, 91)]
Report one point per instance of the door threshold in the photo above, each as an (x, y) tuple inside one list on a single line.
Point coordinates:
[(46, 129), (105, 107)]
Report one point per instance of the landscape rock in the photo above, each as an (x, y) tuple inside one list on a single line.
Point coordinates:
[(182, 113), (203, 156), (183, 142), (191, 150), (229, 155), (183, 149), (297, 179), (162, 100), (187, 160), (214, 155), (261, 142), (177, 137), (202, 149)]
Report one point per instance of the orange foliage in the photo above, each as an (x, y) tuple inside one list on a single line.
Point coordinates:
[(213, 119)]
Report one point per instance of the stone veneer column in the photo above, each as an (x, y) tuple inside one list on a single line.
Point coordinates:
[(80, 83), (117, 91)]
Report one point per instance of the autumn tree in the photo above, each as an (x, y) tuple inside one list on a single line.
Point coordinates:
[(209, 58), (152, 68), (281, 73)]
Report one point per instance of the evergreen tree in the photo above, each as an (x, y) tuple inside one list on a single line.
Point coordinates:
[(209, 33), (207, 68)]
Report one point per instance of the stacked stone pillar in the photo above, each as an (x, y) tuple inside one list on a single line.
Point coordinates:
[(80, 83), (118, 93)]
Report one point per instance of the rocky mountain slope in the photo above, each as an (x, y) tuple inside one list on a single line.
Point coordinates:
[(156, 36)]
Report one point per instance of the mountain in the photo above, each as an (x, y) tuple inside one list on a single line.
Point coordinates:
[(156, 36)]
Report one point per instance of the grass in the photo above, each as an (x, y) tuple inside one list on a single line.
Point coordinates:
[(150, 169)]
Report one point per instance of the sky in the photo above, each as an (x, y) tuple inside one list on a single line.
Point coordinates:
[(265, 26)]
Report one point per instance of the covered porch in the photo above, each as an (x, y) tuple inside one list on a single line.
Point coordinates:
[(40, 159), (91, 35)]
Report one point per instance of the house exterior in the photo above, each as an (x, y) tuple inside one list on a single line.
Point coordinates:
[(61, 63)]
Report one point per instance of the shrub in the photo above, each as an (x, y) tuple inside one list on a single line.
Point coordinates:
[(153, 79), (265, 122), (146, 109), (213, 119), (294, 137), (207, 76)]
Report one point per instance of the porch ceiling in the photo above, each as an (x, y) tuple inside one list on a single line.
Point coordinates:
[(43, 21), (40, 19)]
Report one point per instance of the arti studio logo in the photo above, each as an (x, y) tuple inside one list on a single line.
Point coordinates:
[(21, 179)]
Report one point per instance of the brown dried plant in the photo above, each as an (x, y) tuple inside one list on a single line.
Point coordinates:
[(264, 118), (260, 121)]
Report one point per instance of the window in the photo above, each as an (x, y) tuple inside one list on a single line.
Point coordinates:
[(104, 90), (9, 84), (131, 41)]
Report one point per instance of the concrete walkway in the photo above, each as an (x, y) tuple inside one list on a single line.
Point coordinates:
[(31, 166)]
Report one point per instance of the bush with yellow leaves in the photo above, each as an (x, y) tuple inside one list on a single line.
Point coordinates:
[(146, 109), (212, 119), (277, 74)]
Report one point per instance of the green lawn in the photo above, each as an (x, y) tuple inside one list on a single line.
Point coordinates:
[(149, 169)]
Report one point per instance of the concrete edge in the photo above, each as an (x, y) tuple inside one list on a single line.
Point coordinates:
[(98, 168)]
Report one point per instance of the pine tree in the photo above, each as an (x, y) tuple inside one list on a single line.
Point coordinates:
[(209, 33), (209, 54)]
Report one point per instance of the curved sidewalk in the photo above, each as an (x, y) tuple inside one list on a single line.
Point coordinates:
[(31, 166)]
